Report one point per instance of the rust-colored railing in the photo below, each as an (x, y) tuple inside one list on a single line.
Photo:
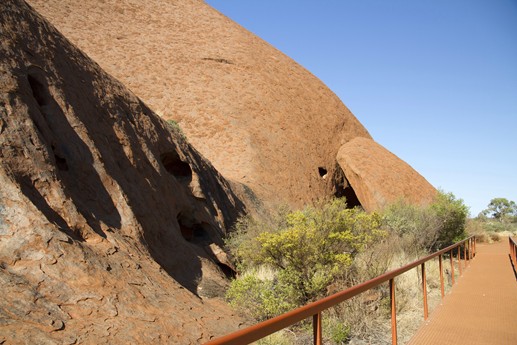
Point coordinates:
[(513, 252), (314, 309)]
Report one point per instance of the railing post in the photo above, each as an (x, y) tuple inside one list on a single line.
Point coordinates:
[(316, 328), (511, 248), (441, 275), (393, 312), (468, 250), (459, 259), (452, 266), (465, 254), (424, 290)]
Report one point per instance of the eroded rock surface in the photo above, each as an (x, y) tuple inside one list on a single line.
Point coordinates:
[(259, 117), (107, 215), (379, 178), (111, 223)]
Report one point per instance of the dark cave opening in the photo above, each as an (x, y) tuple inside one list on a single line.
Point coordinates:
[(198, 233), (175, 166), (342, 188), (227, 270), (351, 198), (60, 161), (39, 91)]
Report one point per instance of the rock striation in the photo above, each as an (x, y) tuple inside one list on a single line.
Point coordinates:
[(380, 178), (110, 222)]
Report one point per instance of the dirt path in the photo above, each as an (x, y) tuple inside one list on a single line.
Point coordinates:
[(482, 306)]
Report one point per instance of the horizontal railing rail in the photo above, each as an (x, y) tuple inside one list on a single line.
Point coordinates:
[(314, 309)]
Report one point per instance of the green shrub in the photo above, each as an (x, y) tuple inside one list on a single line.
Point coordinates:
[(416, 227), (339, 332), (427, 228), (175, 127), (260, 298), (497, 226), (242, 241), (453, 214), (489, 229), (307, 249)]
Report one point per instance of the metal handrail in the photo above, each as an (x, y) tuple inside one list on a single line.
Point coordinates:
[(314, 309), (513, 252)]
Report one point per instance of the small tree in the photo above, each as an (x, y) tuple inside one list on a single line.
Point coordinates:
[(500, 209)]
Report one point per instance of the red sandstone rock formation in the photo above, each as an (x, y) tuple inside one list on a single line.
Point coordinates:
[(94, 191), (110, 222), (258, 116), (380, 178)]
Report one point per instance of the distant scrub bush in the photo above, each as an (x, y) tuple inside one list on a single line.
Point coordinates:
[(498, 220)]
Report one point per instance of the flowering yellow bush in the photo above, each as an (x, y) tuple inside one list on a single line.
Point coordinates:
[(308, 250)]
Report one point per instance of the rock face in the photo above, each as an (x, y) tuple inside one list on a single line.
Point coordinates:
[(111, 223), (109, 219), (379, 178), (259, 117)]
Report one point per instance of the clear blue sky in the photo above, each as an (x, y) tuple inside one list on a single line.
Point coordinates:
[(435, 82)]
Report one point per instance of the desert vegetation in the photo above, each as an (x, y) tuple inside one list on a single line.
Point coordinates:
[(176, 127), (298, 256), (497, 221)]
